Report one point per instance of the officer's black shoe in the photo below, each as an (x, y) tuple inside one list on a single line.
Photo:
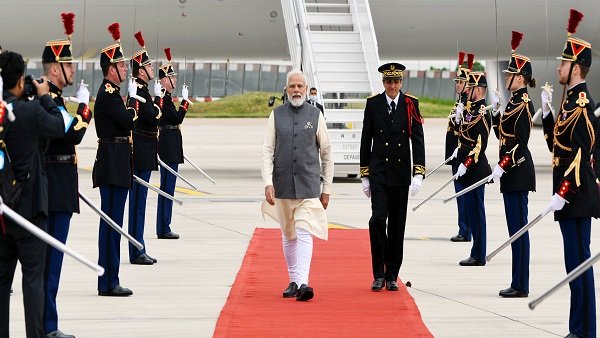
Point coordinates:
[(512, 293), (305, 293), (572, 335), (391, 285), (471, 262), (117, 291), (291, 290), (459, 238), (378, 284), (143, 259), (58, 334), (152, 258), (169, 235)]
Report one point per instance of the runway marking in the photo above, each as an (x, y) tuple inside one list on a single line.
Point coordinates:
[(338, 226), (190, 191)]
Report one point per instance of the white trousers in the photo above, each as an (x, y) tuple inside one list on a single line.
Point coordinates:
[(298, 254)]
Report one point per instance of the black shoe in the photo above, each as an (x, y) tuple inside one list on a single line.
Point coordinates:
[(471, 262), (291, 290), (391, 285), (169, 235), (117, 291), (152, 258), (58, 334), (512, 293), (143, 259), (378, 284), (304, 293), (572, 335), (459, 238)]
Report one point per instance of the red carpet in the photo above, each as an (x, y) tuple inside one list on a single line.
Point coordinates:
[(344, 305)]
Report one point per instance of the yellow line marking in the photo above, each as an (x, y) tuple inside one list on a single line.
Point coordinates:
[(336, 226), (190, 191)]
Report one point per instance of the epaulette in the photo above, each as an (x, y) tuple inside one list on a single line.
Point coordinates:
[(582, 101), (109, 88), (139, 85), (372, 96), (411, 96)]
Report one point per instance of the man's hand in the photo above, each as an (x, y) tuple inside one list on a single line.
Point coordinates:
[(546, 100), (270, 194), (366, 186), (324, 200), (83, 94), (556, 203), (415, 185), (132, 91), (42, 87), (185, 94), (460, 171), (460, 107), (157, 89), (496, 174), (496, 102)]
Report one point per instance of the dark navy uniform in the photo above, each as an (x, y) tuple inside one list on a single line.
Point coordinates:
[(170, 151), (385, 158), (474, 131), (452, 133)]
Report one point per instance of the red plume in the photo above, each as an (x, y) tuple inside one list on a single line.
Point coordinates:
[(470, 58), (575, 17), (140, 39), (168, 54), (515, 41), (115, 31), (461, 58), (68, 20)]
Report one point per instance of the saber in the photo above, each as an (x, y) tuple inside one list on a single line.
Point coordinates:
[(434, 193), (198, 168), (439, 166), (469, 188), (578, 271), (169, 169), (518, 234), (156, 190), (110, 222), (42, 235)]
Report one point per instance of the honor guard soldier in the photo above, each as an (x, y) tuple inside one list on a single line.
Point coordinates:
[(472, 164), (112, 167), (575, 201), (515, 169), (170, 142), (61, 163), (145, 143), (452, 132), (391, 120)]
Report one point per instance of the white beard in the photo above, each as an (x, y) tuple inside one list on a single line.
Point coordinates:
[(297, 102)]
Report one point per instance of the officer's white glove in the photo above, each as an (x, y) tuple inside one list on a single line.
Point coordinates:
[(415, 185), (556, 203), (454, 154), (458, 112), (496, 102), (185, 94), (83, 94), (157, 89), (496, 174), (460, 171), (132, 91), (366, 186), (546, 100), (10, 114)]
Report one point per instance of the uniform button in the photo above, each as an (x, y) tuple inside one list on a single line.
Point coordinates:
[(294, 161), (399, 160), (386, 159), (295, 135), (386, 144), (296, 123), (295, 147), (380, 130), (403, 130), (399, 145)]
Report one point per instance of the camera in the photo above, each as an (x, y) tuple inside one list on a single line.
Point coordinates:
[(29, 88)]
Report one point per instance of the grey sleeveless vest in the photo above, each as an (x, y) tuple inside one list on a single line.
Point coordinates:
[(296, 167)]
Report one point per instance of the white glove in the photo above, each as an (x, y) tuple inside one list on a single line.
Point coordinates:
[(158, 89), (83, 94), (556, 203), (495, 102), (185, 94), (454, 154), (132, 91), (460, 107), (546, 100), (496, 174), (366, 186), (460, 171), (415, 185), (10, 114)]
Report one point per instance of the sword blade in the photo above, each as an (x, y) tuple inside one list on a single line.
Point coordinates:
[(434, 193), (468, 189), (169, 169), (199, 170), (518, 234), (110, 222), (439, 166), (156, 190)]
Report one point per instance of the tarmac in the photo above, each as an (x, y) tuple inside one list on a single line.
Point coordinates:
[(183, 294)]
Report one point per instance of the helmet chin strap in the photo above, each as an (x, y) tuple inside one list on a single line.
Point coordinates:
[(171, 82), (512, 78), (147, 75), (62, 67), (117, 70)]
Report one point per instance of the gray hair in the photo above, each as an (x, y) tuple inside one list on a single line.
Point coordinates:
[(295, 72)]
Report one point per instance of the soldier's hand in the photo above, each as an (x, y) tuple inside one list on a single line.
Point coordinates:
[(460, 171), (415, 185), (366, 186), (42, 87), (556, 203), (83, 94), (132, 90), (270, 194), (496, 174), (459, 112), (496, 102), (546, 100), (158, 90), (185, 94), (324, 200)]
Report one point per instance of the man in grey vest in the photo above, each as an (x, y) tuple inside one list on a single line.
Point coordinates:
[(295, 139)]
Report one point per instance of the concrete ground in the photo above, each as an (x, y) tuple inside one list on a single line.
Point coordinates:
[(182, 295)]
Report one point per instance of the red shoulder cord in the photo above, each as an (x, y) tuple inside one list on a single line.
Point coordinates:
[(412, 114)]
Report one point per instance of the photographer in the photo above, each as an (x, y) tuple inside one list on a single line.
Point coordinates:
[(35, 121)]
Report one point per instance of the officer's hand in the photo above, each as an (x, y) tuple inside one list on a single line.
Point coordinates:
[(185, 94), (546, 100), (270, 194), (324, 200), (366, 186), (42, 87), (158, 90), (460, 171), (415, 185), (496, 102), (496, 174), (454, 154), (556, 203), (132, 90), (460, 107), (83, 94)]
